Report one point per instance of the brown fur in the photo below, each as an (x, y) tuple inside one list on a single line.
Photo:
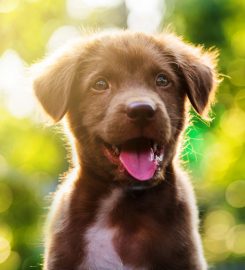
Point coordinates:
[(156, 227)]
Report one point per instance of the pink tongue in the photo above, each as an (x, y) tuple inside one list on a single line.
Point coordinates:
[(139, 164)]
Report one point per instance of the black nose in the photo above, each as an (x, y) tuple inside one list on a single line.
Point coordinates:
[(139, 110)]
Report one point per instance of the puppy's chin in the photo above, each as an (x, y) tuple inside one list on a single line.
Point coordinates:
[(126, 181)]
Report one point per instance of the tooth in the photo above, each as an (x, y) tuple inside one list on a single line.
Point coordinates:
[(160, 158)]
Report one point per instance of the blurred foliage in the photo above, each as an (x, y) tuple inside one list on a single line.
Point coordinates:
[(32, 157)]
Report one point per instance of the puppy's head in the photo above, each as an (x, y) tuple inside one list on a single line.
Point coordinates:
[(124, 97)]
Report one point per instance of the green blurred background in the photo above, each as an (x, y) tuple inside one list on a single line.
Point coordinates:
[(32, 156)]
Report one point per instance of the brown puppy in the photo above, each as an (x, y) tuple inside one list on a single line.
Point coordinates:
[(127, 204)]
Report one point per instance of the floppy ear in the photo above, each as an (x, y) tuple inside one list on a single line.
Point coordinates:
[(53, 80), (199, 78), (197, 69)]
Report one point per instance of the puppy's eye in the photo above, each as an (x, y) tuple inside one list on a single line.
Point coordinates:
[(100, 84), (162, 80)]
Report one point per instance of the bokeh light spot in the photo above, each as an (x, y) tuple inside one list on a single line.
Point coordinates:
[(6, 197), (17, 92), (62, 35), (236, 239), (216, 246), (217, 224), (232, 124), (8, 5), (145, 15), (80, 9), (101, 3), (6, 232), (235, 194), (4, 249), (12, 262)]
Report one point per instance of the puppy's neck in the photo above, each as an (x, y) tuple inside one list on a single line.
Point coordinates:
[(100, 186)]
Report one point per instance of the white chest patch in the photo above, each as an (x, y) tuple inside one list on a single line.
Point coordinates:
[(100, 251)]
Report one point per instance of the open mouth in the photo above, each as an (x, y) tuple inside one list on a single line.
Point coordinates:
[(139, 157)]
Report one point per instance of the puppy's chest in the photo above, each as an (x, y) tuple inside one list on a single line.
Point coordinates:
[(100, 251)]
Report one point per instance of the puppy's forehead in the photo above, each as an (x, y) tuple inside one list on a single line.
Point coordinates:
[(129, 52)]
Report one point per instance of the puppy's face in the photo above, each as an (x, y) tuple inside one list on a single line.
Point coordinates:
[(124, 97)]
